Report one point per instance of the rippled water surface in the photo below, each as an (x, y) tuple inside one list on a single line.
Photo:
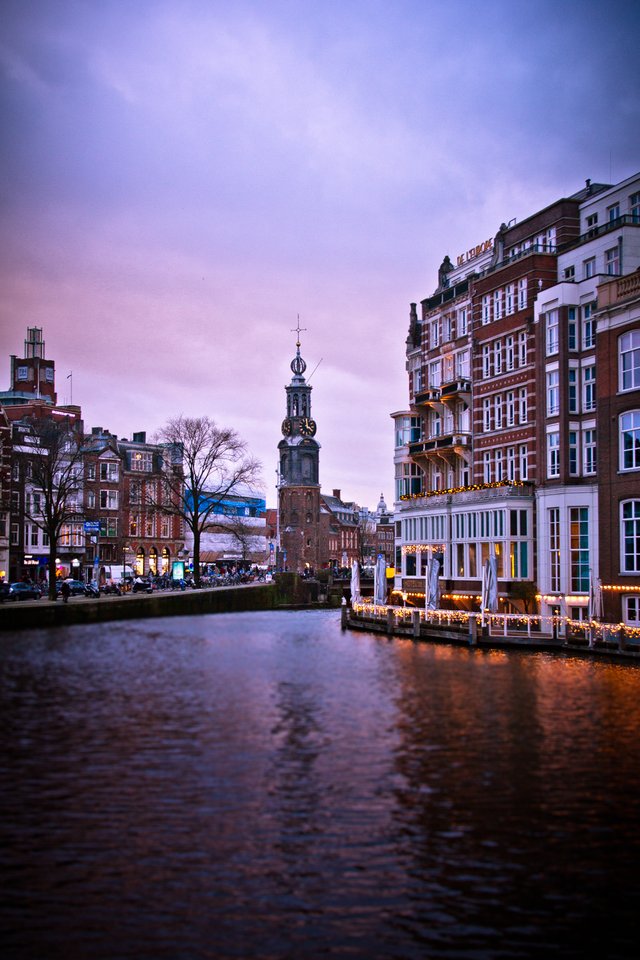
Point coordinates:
[(265, 785)]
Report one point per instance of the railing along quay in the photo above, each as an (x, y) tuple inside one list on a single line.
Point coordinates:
[(497, 630)]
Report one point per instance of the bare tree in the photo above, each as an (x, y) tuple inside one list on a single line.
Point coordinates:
[(205, 464), (53, 452)]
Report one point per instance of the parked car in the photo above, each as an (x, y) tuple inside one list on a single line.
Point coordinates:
[(24, 591), (77, 588)]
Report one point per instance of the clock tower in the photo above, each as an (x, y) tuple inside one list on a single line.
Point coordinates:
[(298, 476)]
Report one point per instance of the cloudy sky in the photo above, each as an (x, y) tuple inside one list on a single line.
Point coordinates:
[(182, 178)]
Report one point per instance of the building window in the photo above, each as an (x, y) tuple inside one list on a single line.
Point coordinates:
[(497, 304), (524, 462), (108, 499), (631, 610), (522, 349), (109, 471), (462, 328), (552, 332), (486, 309), (23, 373), (499, 465), (509, 299), (554, 549), (522, 402), (612, 261), (579, 548), (498, 411), (589, 388), (629, 364), (634, 207), (589, 268), (572, 329), (142, 461), (522, 293), (572, 381), (588, 327), (592, 221), (553, 455), (91, 499), (570, 273), (553, 393), (573, 453), (497, 357), (613, 212), (486, 361), (509, 350), (510, 408), (435, 333), (589, 451), (487, 473), (511, 463), (630, 440), (631, 536), (486, 414), (90, 471), (435, 373)]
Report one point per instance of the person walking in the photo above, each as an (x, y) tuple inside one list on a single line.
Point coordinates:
[(65, 590)]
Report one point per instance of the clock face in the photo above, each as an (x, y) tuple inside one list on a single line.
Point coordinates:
[(286, 427), (308, 427)]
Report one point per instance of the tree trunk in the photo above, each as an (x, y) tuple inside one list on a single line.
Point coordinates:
[(196, 555), (53, 550)]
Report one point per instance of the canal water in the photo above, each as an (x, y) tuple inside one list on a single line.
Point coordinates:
[(264, 785)]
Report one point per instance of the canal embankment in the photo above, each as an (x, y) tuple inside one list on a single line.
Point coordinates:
[(286, 591)]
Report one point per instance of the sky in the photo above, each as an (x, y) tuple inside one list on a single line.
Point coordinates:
[(182, 179)]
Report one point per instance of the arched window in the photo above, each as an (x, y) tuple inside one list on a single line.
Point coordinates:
[(153, 561), (138, 567), (166, 561), (630, 536)]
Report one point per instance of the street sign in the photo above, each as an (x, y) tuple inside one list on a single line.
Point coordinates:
[(92, 526)]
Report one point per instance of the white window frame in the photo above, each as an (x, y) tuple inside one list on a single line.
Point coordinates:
[(629, 440), (629, 361)]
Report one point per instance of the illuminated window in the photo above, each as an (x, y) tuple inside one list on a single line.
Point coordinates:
[(579, 548), (554, 548)]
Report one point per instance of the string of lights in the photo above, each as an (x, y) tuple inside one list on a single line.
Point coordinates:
[(521, 621), (492, 485)]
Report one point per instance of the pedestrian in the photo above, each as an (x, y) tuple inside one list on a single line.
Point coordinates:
[(65, 590)]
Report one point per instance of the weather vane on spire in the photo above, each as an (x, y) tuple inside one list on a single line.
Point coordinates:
[(297, 330)]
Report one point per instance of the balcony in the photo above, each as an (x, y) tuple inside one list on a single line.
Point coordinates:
[(428, 397), (449, 441), (460, 387)]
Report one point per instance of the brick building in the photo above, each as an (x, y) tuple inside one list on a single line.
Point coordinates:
[(499, 450)]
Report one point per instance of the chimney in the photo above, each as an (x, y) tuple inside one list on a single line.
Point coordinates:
[(588, 185), (336, 494)]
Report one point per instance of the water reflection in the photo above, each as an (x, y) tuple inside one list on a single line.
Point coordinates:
[(263, 785)]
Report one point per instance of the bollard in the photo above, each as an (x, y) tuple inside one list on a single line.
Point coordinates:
[(416, 623), (390, 618), (473, 630)]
